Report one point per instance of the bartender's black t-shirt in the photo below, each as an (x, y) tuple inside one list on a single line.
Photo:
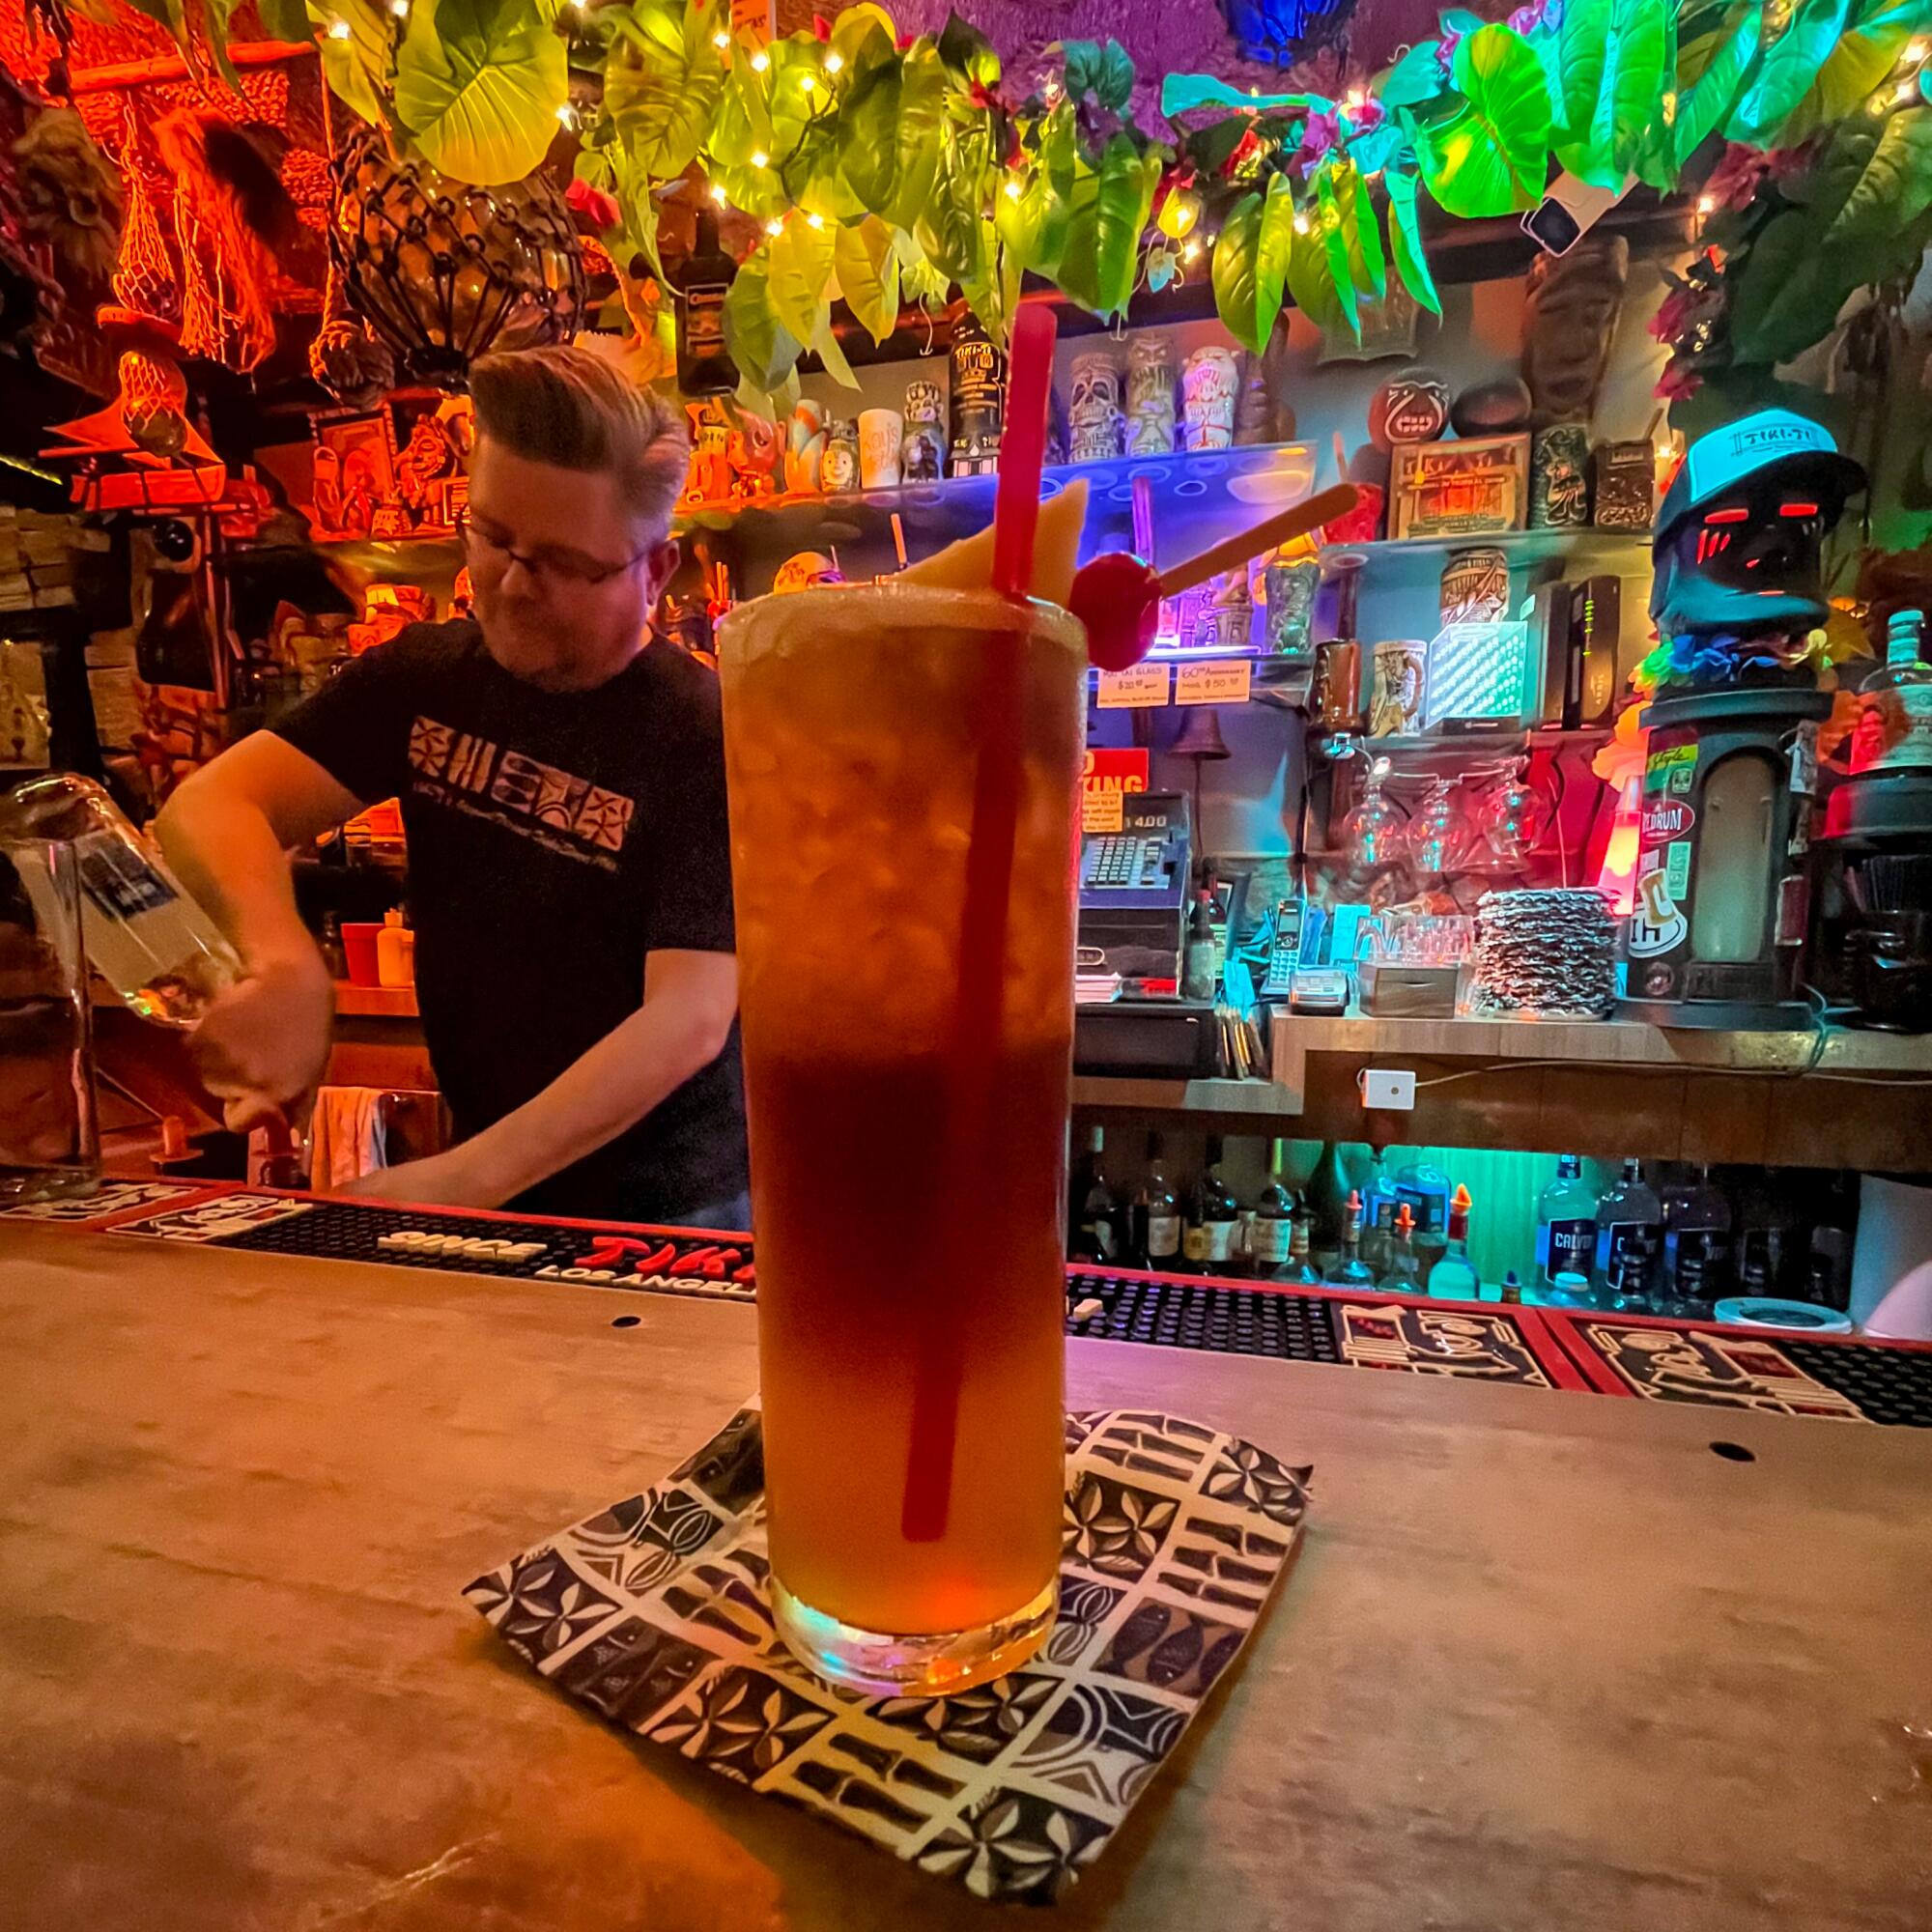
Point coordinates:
[(555, 839)]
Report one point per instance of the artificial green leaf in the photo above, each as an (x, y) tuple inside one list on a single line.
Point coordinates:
[(993, 294), (968, 52), (1114, 84), (1871, 180), (742, 124), (1786, 70), (1459, 20), (1614, 56), (1406, 240), (1309, 280), (921, 283), (858, 30), (1109, 211), (1789, 293), (1162, 262), (356, 65), (798, 265), (829, 353), (1415, 79), (1356, 201), (1329, 225), (922, 121), (478, 85), (1865, 53), (869, 123), (868, 274), (215, 15), (760, 345), (1081, 60), (948, 229), (1233, 272), (801, 100), (1489, 154), (1034, 221), (1711, 67), (754, 401)]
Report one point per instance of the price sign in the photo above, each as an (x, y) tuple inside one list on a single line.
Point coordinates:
[(1139, 688), (1225, 681), (1103, 811)]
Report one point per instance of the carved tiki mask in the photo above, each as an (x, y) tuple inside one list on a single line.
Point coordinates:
[(1569, 315)]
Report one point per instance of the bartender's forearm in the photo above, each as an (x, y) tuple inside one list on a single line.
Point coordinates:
[(689, 999), (226, 853)]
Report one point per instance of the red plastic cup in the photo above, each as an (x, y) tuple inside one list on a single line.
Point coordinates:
[(358, 947)]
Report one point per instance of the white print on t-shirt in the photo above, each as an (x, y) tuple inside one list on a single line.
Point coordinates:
[(518, 786)]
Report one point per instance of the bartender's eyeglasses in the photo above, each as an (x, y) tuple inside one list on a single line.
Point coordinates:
[(567, 568)]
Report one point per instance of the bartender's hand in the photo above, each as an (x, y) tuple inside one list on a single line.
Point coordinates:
[(262, 1048), (450, 1178)]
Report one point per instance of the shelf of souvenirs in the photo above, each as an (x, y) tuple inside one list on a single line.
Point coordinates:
[(1573, 543)]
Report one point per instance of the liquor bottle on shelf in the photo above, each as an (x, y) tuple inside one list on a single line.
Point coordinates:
[(1093, 1214), (1350, 1270), (1894, 730), (1378, 1233), (704, 364), (144, 934), (1269, 1223), (1401, 1276), (1212, 1218), (1156, 1215), (1697, 1240), (1511, 1290), (1629, 1236), (1426, 1188), (1378, 1187), (1327, 1196), (1566, 1223), (1455, 1274), (1298, 1271)]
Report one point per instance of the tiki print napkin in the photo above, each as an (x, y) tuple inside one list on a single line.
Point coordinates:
[(655, 1614)]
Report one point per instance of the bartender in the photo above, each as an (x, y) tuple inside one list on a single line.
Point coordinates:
[(560, 773)]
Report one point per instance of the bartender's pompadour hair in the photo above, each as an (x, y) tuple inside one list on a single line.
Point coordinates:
[(570, 407)]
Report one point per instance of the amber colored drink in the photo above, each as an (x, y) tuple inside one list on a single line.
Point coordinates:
[(893, 1222)]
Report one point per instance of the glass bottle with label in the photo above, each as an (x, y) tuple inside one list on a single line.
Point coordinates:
[(1630, 1236), (1298, 1270), (1093, 1214), (1350, 1270), (1156, 1215), (144, 935), (1212, 1218), (1328, 1196), (977, 396), (1697, 1240), (1566, 1223), (1378, 1219), (1455, 1274), (1270, 1222), (1401, 1276), (1425, 1187), (1895, 729), (704, 364)]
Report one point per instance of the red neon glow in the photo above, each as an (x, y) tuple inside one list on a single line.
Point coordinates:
[(1617, 876), (1798, 510), (1727, 517)]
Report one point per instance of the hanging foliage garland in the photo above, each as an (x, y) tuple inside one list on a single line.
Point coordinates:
[(886, 169)]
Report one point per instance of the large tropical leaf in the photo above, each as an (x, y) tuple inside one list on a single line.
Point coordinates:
[(1488, 153), (1329, 225), (1406, 240), (1415, 79), (798, 265), (869, 121), (1310, 279), (478, 85), (663, 80), (1875, 35), (1718, 47), (1786, 70), (355, 66), (1872, 180), (922, 122), (1355, 204), (1109, 211), (948, 227), (1236, 272), (742, 124), (868, 274), (283, 19), (826, 346), (1616, 55), (764, 350)]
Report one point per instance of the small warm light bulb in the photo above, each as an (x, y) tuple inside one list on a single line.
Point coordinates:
[(775, 226), (567, 113), (760, 61), (1353, 102), (759, 158), (808, 81), (338, 30), (834, 61), (1191, 250), (814, 221), (717, 194), (400, 8), (1919, 49), (1707, 204), (1013, 188), (1905, 90), (720, 40), (1300, 222)]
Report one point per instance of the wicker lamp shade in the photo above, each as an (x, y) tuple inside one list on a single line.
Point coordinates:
[(445, 272)]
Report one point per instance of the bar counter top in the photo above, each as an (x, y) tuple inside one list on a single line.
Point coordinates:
[(1546, 1661)]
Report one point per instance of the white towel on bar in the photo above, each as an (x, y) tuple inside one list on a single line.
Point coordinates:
[(345, 1137)]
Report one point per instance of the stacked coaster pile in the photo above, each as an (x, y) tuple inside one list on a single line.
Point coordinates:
[(1547, 953)]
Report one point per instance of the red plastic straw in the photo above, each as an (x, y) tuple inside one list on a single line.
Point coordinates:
[(973, 1050)]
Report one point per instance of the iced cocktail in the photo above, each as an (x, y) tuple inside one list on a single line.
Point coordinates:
[(907, 1128)]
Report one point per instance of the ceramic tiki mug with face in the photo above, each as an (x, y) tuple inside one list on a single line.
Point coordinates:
[(1149, 396), (805, 446), (923, 452), (1094, 412), (1569, 313), (1208, 384)]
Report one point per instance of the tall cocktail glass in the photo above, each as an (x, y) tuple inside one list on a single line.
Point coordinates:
[(908, 1139)]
